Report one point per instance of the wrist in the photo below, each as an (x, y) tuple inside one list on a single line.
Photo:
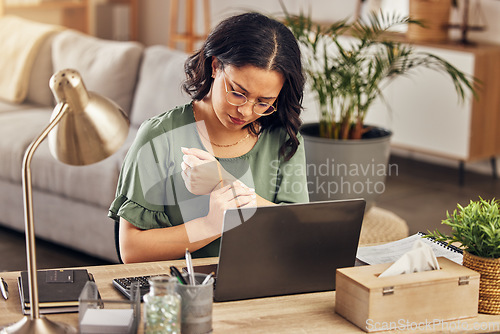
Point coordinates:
[(201, 229)]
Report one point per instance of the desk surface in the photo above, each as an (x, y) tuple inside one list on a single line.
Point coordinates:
[(303, 313)]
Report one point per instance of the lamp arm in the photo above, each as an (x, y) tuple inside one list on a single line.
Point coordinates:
[(28, 211)]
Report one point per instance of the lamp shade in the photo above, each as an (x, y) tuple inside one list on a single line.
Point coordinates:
[(93, 126)]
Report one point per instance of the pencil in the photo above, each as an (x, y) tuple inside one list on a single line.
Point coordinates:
[(220, 174), (205, 281)]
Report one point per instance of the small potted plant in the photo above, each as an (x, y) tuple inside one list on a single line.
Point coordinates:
[(476, 228)]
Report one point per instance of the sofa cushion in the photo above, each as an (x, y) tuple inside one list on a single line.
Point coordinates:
[(162, 70), (94, 183), (9, 106), (17, 131), (38, 88), (108, 68)]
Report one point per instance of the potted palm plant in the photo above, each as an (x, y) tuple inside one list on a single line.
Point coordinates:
[(476, 228), (348, 66)]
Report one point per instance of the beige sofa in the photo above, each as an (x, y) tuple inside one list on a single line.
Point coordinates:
[(71, 203)]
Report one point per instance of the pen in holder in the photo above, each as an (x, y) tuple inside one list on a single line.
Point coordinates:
[(98, 315), (197, 301)]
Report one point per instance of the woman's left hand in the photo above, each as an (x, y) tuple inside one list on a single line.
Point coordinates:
[(201, 172)]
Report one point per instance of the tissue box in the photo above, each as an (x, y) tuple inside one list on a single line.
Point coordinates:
[(397, 302)]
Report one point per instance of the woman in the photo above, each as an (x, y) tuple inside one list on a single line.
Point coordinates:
[(246, 84)]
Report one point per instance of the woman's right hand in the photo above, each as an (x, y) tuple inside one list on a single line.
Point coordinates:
[(234, 195)]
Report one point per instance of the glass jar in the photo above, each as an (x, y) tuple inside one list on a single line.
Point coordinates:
[(162, 307)]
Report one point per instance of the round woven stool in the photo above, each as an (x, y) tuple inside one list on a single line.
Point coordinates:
[(380, 225)]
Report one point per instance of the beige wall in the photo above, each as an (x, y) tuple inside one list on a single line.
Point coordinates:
[(154, 14), (44, 16)]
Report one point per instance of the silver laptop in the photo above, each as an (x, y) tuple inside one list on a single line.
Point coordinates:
[(286, 249)]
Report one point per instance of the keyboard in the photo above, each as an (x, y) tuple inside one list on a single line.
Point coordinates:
[(123, 284)]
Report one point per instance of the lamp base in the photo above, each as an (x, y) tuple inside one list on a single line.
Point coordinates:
[(37, 326)]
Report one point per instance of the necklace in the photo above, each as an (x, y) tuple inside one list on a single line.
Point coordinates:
[(219, 145), (229, 145)]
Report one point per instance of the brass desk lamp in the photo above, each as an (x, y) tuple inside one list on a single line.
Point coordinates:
[(84, 128)]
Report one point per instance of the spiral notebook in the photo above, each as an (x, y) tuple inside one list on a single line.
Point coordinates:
[(392, 251)]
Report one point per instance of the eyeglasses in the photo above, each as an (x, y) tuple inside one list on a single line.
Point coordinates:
[(238, 99)]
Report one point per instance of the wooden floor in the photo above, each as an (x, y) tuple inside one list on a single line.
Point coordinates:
[(421, 193), (418, 192)]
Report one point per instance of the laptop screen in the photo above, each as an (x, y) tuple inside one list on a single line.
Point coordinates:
[(286, 249)]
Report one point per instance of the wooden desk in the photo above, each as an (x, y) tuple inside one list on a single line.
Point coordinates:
[(304, 313)]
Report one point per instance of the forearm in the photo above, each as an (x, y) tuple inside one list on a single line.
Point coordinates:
[(161, 244), (263, 202), (170, 243)]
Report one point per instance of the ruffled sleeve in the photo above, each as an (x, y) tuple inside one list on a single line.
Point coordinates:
[(143, 189), (138, 215)]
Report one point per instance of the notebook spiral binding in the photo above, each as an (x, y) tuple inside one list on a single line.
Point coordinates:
[(443, 244)]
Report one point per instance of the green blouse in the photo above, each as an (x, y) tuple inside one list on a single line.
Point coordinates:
[(151, 192)]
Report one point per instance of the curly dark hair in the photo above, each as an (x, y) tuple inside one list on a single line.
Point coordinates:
[(257, 40)]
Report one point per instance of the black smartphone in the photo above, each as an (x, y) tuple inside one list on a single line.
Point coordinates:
[(204, 269)]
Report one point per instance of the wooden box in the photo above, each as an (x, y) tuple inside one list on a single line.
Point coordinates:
[(380, 303)]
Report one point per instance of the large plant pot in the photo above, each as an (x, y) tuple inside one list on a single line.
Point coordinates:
[(434, 15), (346, 169), (489, 281)]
